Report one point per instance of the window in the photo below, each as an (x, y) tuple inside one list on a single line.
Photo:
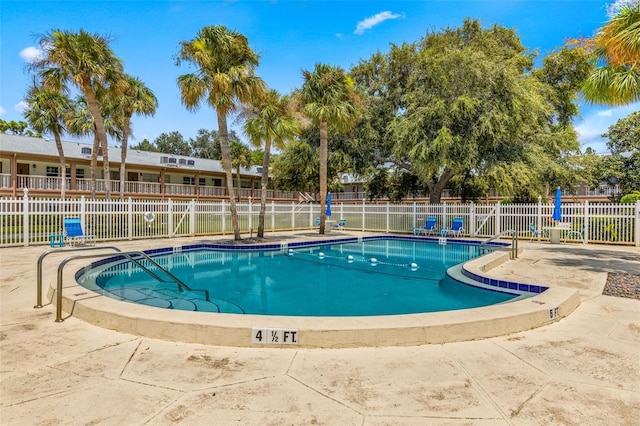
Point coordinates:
[(79, 173), (245, 184), (188, 180), (217, 181), (86, 151), (149, 177), (191, 162), (52, 171), (164, 160), (173, 160), (202, 182), (182, 161)]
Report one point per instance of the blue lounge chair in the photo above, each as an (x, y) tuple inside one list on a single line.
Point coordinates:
[(576, 234), (536, 232), (317, 222), (340, 225), (457, 226), (430, 227), (74, 233)]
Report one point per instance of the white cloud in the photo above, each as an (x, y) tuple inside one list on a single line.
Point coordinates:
[(596, 123), (30, 53), (2, 110), (372, 21), (615, 6), (21, 106)]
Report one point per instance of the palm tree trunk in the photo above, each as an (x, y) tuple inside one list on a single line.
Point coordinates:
[(323, 173), (238, 182), (98, 120), (63, 165), (264, 181), (223, 133), (94, 164), (123, 153)]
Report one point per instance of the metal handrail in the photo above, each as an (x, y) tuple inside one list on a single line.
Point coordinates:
[(514, 241), (48, 252), (128, 255)]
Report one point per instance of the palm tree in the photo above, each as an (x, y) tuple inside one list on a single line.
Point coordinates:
[(240, 157), (46, 114), (134, 98), (272, 121), (225, 77), (80, 122), (328, 98), (86, 61), (617, 46)]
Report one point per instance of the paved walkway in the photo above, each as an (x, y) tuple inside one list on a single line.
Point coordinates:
[(583, 369)]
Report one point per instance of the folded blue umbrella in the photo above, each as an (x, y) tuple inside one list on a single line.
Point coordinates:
[(328, 211), (557, 207)]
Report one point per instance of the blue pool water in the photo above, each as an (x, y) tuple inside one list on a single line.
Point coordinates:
[(380, 277)]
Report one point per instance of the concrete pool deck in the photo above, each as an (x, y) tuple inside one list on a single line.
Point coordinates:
[(582, 369)]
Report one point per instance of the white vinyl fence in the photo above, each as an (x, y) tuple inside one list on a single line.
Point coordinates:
[(31, 221)]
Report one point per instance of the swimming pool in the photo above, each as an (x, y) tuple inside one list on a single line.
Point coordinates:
[(379, 276)]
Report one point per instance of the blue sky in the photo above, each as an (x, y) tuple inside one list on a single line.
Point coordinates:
[(289, 35)]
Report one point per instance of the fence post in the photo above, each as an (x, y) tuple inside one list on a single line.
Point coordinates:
[(170, 217), (387, 218), (224, 219), (25, 217), (586, 222), (498, 221), (363, 213), (273, 216), (539, 218), (637, 223), (83, 212), (130, 217), (192, 218), (415, 215), (472, 219), (445, 221)]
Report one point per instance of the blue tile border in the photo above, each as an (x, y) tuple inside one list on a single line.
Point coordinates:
[(527, 288)]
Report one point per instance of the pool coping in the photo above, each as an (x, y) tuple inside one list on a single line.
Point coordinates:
[(544, 308)]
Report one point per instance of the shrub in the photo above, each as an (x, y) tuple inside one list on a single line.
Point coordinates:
[(631, 198)]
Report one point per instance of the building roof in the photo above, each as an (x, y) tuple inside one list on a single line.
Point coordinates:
[(73, 150)]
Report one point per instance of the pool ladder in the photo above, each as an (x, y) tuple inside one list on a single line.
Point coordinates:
[(129, 255), (514, 242)]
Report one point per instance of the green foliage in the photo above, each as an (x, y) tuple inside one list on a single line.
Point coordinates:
[(206, 144), (173, 143), (146, 146), (631, 198), (469, 187), (296, 168), (624, 144), (563, 73), (240, 155), (616, 47), (17, 128), (464, 102)]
